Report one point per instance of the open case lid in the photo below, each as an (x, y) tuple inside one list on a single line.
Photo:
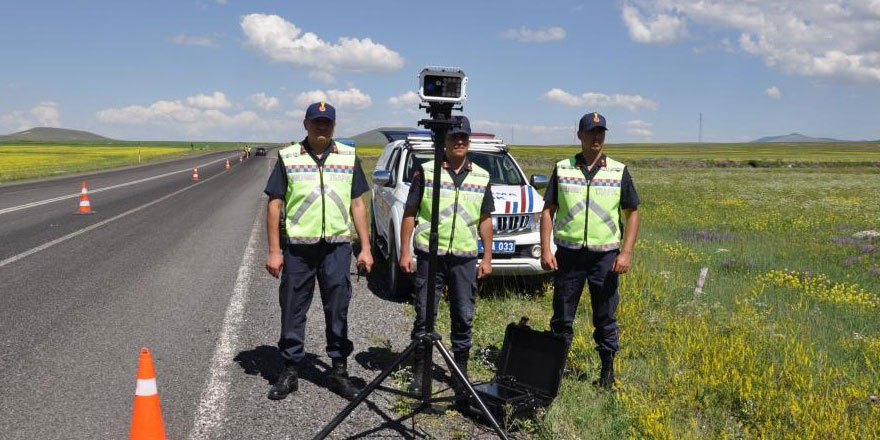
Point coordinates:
[(534, 359)]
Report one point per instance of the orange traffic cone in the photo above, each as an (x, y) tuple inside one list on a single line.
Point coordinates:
[(195, 174), (85, 207), (146, 419), (227, 164)]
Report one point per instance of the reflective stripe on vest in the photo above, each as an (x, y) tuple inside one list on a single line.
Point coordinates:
[(318, 198), (459, 212), (589, 210)]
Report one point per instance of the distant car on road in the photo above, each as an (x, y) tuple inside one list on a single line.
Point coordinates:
[(516, 246), (261, 151)]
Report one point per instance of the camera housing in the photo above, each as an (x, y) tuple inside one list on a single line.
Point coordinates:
[(442, 85)]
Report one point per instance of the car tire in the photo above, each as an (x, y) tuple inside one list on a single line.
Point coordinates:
[(400, 285), (374, 236)]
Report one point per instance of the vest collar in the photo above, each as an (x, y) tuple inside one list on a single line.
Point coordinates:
[(581, 162), (467, 164), (304, 147)]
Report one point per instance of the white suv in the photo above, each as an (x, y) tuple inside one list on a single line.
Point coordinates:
[(515, 221)]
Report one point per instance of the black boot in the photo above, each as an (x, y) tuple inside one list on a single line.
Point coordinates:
[(415, 385), (340, 383), (286, 383), (606, 373), (461, 394)]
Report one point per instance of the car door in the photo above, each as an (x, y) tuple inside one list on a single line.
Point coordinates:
[(385, 196)]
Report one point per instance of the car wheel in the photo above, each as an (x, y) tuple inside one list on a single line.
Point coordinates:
[(374, 236), (399, 284)]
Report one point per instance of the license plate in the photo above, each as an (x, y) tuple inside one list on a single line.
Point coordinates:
[(499, 247)]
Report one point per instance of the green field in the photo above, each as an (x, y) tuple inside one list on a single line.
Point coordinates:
[(785, 340), (20, 161)]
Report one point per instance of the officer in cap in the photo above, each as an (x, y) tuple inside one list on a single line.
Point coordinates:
[(466, 207), (586, 194), (317, 185)]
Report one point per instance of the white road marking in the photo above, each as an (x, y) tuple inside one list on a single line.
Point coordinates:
[(212, 406), (92, 191), (47, 245)]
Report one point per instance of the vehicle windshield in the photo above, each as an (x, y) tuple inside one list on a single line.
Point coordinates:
[(502, 170)]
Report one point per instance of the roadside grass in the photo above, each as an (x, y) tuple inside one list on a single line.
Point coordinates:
[(720, 155), (31, 161), (784, 342)]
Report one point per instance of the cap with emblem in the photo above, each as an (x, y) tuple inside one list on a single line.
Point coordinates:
[(590, 121), (321, 110), (464, 128)]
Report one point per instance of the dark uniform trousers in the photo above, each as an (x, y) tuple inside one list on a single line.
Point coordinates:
[(331, 263), (576, 268), (460, 274)]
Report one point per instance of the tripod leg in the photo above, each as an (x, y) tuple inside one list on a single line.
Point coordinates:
[(464, 380), (366, 391)]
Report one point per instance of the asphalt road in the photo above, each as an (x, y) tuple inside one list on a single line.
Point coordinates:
[(176, 266)]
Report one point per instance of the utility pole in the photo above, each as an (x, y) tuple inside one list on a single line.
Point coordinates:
[(701, 129)]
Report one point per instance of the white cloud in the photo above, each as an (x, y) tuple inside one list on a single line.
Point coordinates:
[(194, 40), (406, 100), (267, 103), (661, 29), (526, 35), (280, 40), (192, 115), (636, 123), (44, 114), (351, 99), (296, 114), (821, 38), (217, 100), (322, 76), (630, 102), (773, 92), (640, 132)]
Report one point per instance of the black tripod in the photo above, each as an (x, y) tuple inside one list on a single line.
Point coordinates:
[(439, 124)]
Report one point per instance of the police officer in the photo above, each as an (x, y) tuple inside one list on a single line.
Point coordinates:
[(587, 193), (318, 183), (466, 205)]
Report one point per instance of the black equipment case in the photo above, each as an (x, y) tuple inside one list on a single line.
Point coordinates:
[(528, 375)]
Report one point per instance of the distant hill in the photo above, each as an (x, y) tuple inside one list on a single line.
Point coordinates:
[(50, 134), (375, 136), (796, 137)]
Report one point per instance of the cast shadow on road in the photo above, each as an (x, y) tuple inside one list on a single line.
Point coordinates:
[(266, 361), (378, 358)]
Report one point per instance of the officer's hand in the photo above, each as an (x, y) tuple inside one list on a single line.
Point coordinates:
[(485, 268), (548, 261), (621, 263), (274, 263), (365, 260), (406, 263)]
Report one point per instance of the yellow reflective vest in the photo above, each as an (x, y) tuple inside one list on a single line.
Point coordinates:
[(318, 198), (589, 210), (459, 215)]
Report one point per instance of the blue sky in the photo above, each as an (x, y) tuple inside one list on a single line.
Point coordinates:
[(245, 70)]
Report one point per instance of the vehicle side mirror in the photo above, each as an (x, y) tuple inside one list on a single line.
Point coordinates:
[(539, 180), (381, 177)]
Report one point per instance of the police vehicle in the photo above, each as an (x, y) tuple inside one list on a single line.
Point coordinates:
[(516, 249)]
